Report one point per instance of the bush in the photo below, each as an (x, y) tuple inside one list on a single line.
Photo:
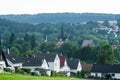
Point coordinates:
[(53, 73), (19, 71), (60, 75), (34, 74), (26, 70), (8, 70), (78, 74)]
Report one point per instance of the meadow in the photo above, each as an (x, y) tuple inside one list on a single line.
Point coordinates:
[(28, 77)]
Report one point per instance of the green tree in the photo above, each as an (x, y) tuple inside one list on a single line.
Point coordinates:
[(15, 51), (12, 39), (33, 42), (69, 49), (105, 55), (117, 55), (106, 23), (87, 53), (47, 47), (118, 23), (27, 37)]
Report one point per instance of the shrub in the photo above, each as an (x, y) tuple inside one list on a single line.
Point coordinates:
[(34, 74), (53, 73), (78, 74), (19, 71), (8, 70), (26, 70), (60, 75)]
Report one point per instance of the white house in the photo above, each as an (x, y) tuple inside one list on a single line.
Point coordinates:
[(74, 65), (52, 60), (64, 68)]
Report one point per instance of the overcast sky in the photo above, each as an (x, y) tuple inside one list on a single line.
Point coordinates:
[(59, 6)]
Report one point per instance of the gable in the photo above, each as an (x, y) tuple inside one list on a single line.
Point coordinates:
[(79, 68)]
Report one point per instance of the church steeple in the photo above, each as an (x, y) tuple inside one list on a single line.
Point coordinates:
[(62, 36)]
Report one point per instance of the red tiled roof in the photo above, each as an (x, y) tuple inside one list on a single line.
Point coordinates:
[(87, 42), (62, 60)]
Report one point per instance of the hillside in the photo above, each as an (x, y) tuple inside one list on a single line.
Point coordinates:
[(60, 17)]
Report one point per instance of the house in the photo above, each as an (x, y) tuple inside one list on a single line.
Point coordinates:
[(52, 60), (88, 43), (103, 70), (115, 46), (74, 65), (64, 68), (40, 63), (36, 65), (14, 62)]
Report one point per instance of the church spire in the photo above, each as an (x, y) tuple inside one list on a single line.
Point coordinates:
[(62, 36)]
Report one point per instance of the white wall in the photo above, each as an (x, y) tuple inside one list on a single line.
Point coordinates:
[(44, 65), (57, 64), (98, 74), (79, 68), (2, 66), (65, 67), (51, 65), (117, 75)]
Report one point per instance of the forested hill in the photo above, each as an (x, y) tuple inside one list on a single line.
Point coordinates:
[(60, 17)]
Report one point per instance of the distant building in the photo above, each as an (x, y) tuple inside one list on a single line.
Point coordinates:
[(88, 43), (62, 36)]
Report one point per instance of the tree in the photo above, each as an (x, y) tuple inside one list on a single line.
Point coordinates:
[(118, 23), (33, 42), (12, 39), (69, 49), (87, 53), (47, 47), (106, 23), (105, 55), (117, 55), (26, 37), (14, 50)]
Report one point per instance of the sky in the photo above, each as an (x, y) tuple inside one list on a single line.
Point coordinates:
[(59, 6)]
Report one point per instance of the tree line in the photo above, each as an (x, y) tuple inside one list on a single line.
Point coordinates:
[(27, 46)]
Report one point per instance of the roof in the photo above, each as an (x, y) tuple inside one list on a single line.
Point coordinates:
[(31, 61), (26, 61), (13, 58), (3, 57), (73, 63), (106, 68), (62, 60), (87, 43), (49, 57)]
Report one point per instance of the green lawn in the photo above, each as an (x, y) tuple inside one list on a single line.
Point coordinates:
[(26, 77)]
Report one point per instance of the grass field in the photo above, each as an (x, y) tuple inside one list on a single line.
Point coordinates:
[(26, 77)]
